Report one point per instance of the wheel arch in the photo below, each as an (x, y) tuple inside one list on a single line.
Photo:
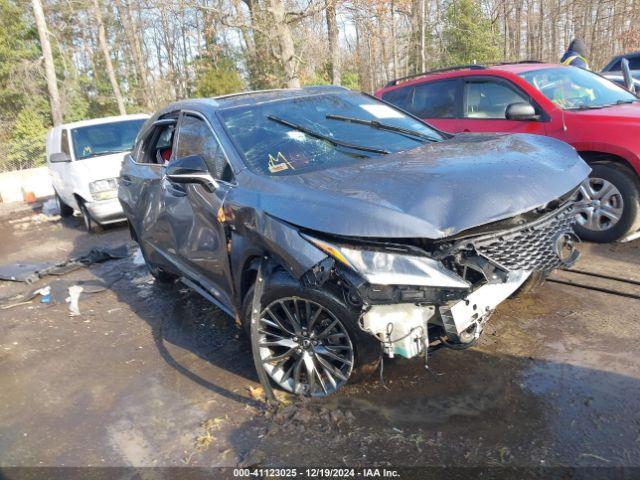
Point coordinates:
[(601, 157)]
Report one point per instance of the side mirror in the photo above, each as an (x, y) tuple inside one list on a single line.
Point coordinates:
[(59, 157), (191, 169), (520, 111)]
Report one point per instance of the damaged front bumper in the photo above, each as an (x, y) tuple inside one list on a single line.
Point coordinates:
[(454, 288)]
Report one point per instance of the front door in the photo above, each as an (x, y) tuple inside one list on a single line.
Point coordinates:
[(484, 104), (193, 210)]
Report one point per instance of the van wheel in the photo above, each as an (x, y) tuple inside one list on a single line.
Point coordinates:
[(610, 204), (310, 342), (90, 224), (64, 209)]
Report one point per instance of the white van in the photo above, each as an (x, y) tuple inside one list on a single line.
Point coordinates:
[(84, 160)]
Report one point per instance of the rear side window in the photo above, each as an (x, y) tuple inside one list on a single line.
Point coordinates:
[(400, 97), (427, 100), (156, 147), (489, 99), (634, 64), (196, 138)]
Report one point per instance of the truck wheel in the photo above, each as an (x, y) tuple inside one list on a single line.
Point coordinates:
[(310, 342), (64, 209), (610, 204), (89, 223)]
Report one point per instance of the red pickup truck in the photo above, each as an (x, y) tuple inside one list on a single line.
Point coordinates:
[(598, 118)]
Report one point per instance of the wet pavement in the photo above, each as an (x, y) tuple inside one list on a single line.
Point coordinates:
[(155, 376)]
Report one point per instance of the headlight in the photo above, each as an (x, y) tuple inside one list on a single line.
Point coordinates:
[(104, 189), (386, 268)]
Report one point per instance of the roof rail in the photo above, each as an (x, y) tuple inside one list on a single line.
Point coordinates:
[(472, 66)]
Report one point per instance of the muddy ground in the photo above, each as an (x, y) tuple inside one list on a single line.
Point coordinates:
[(156, 376)]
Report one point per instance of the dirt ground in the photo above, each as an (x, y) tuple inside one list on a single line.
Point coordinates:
[(153, 376)]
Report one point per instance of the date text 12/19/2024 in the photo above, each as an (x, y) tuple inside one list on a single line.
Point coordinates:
[(315, 473)]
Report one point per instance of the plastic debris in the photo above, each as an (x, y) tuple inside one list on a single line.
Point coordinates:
[(72, 300)]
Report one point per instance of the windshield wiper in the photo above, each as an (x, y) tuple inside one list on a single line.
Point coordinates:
[(383, 126), (338, 143), (100, 154), (605, 105)]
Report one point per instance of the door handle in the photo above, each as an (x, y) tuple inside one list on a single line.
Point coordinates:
[(466, 130)]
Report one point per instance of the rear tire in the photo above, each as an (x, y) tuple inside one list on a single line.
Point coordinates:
[(366, 348), (64, 209), (595, 223), (160, 274)]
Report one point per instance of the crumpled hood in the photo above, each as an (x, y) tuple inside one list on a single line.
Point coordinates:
[(433, 191)]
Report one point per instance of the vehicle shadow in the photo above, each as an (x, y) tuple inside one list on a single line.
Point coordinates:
[(179, 318)]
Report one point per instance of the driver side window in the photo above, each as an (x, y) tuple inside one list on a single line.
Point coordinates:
[(489, 99), (196, 138)]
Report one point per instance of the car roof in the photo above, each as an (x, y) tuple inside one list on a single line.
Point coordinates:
[(465, 70), (101, 120), (248, 98)]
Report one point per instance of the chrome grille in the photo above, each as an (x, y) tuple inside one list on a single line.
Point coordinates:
[(529, 247)]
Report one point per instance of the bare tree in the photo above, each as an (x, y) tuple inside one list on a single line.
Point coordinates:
[(286, 50), (102, 40), (50, 71), (332, 34)]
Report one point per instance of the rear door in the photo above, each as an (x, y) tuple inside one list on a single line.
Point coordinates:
[(437, 103), (194, 211), (484, 104), (141, 191)]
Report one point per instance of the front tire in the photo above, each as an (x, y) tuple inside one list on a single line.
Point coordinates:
[(90, 224), (310, 341), (610, 204), (64, 209)]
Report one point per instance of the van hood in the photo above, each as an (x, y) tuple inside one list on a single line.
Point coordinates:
[(97, 168), (434, 191)]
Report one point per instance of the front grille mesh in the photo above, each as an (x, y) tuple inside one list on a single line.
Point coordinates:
[(531, 247)]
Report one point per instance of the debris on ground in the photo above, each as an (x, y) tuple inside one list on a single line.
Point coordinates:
[(72, 300), (32, 272), (257, 393)]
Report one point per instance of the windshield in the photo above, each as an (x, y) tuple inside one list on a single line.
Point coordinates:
[(573, 88), (105, 138), (296, 135)]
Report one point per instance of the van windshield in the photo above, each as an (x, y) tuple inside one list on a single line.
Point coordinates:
[(105, 138)]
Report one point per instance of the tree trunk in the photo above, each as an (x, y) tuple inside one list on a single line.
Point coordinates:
[(286, 50), (394, 41), (334, 46), (50, 71), (132, 35), (102, 40)]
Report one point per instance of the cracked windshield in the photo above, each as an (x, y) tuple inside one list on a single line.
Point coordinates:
[(303, 134)]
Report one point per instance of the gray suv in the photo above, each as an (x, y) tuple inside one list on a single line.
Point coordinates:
[(377, 233)]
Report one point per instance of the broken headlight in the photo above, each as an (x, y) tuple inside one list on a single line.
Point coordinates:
[(104, 189), (390, 268)]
